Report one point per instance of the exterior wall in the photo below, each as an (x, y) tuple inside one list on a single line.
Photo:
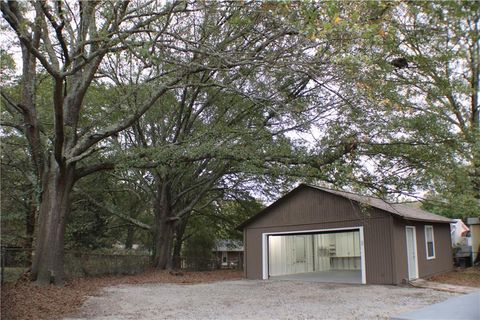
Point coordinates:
[(443, 249), (475, 232), (310, 209)]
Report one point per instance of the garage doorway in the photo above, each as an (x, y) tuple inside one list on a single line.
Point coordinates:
[(334, 255)]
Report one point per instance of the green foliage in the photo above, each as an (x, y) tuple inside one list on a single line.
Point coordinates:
[(257, 96), (12, 274), (199, 243), (80, 264), (7, 67), (93, 223), (226, 215), (18, 189), (417, 125)]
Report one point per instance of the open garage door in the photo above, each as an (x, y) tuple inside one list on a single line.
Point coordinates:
[(327, 256)]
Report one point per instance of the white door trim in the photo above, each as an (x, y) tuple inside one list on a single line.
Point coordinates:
[(362, 256), (414, 249), (265, 247)]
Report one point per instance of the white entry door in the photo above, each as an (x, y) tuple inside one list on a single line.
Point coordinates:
[(412, 253)]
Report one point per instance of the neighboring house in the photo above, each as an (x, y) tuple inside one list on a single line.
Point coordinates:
[(121, 246), (337, 236), (461, 243), (459, 232), (229, 253)]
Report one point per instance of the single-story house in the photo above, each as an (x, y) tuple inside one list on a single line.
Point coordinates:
[(336, 236), (229, 253)]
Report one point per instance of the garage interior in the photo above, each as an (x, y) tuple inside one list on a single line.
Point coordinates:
[(320, 257)]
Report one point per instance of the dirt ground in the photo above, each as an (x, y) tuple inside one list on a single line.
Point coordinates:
[(25, 300), (464, 277), (255, 299)]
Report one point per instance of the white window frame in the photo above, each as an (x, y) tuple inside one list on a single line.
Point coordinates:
[(426, 242), (265, 247)]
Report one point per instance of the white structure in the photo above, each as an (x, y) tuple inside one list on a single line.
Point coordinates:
[(474, 224), (458, 231)]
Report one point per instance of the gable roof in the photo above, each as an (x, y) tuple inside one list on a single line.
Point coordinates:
[(228, 245), (402, 210)]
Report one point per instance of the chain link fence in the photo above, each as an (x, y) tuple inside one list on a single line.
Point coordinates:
[(198, 264), (16, 260), (79, 264)]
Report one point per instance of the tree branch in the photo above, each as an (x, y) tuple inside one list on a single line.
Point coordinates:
[(85, 171), (12, 106), (136, 222), (15, 20), (89, 140)]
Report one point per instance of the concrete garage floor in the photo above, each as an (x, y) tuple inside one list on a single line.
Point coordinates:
[(324, 276)]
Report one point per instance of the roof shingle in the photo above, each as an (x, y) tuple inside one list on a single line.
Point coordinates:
[(400, 209)]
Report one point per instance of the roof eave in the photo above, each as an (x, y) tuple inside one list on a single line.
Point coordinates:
[(423, 220)]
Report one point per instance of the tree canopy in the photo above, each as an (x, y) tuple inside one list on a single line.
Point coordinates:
[(141, 119)]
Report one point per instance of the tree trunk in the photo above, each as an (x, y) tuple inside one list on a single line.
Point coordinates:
[(31, 211), (164, 228), (30, 224), (177, 248), (129, 239), (48, 262), (163, 246)]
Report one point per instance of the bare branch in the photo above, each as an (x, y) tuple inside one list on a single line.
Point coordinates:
[(117, 213), (15, 20), (12, 106), (85, 171)]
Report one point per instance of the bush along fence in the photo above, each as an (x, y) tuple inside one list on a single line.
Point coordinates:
[(79, 264), (16, 260)]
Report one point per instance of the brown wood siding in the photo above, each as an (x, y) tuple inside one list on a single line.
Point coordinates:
[(310, 209), (443, 249), (245, 253), (400, 250), (378, 254), (307, 205), (384, 234)]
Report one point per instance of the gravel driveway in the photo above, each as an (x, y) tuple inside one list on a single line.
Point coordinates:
[(248, 299)]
